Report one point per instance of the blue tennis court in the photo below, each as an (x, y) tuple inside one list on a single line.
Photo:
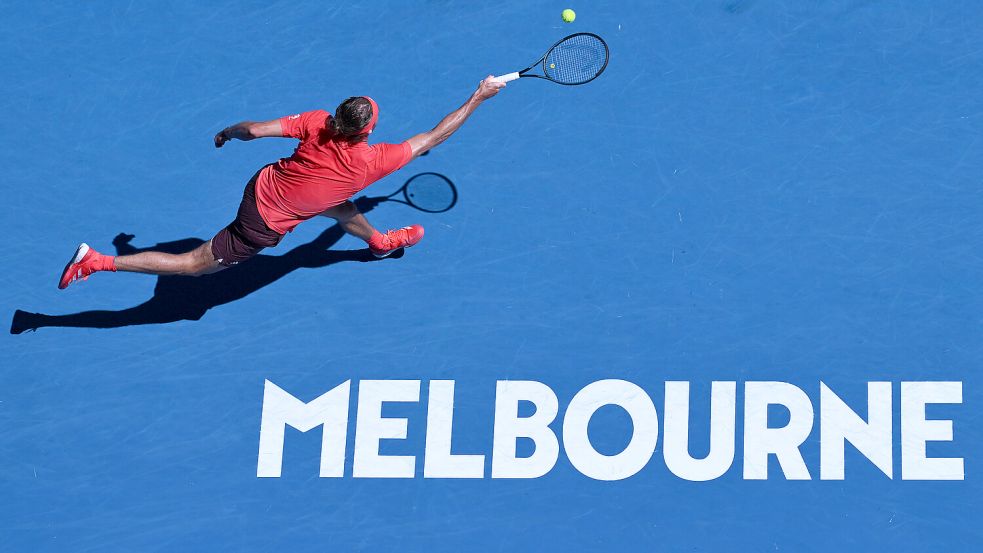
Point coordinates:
[(772, 196)]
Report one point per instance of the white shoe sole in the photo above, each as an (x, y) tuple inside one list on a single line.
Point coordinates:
[(384, 255), (390, 252), (79, 254)]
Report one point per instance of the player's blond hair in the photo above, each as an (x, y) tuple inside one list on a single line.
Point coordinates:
[(351, 117)]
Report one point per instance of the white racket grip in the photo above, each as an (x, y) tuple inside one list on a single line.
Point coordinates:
[(507, 77)]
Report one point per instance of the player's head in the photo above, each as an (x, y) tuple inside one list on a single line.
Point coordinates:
[(355, 118)]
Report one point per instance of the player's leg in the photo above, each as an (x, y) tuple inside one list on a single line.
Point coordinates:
[(246, 236), (86, 261), (354, 222), (199, 261), (351, 220)]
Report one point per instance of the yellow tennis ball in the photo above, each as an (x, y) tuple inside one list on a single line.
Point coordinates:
[(568, 15)]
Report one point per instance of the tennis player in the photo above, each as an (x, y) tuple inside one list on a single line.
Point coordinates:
[(332, 163)]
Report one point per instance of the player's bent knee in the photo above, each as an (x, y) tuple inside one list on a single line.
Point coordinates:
[(202, 268), (207, 269), (193, 267), (201, 261), (343, 212)]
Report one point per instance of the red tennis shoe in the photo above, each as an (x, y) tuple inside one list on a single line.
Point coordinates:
[(382, 245), (85, 262)]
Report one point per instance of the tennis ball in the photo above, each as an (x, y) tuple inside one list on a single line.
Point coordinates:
[(568, 15)]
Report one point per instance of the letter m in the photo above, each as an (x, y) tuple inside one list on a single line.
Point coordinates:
[(281, 409)]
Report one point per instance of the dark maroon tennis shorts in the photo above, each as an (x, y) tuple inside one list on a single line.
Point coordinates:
[(247, 235)]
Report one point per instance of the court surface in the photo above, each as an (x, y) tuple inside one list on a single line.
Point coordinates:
[(753, 191)]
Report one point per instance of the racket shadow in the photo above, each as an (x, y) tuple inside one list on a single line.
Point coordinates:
[(185, 298), (428, 192)]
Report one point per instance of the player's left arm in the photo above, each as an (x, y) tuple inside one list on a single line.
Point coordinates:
[(248, 130)]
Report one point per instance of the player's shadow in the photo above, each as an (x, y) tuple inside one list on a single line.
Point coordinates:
[(178, 298)]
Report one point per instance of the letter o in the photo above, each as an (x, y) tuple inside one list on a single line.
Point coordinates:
[(645, 432)]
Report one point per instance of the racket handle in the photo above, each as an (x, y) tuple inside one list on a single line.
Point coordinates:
[(507, 77)]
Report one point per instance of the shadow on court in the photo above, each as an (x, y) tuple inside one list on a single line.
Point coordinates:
[(180, 298)]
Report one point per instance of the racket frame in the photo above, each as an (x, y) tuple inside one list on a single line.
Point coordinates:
[(542, 60)]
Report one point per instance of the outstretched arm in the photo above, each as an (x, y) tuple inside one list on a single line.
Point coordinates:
[(422, 143), (248, 130)]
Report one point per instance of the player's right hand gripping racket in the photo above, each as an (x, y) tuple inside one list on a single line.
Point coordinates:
[(576, 59)]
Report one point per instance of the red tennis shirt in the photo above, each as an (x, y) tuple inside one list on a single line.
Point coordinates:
[(321, 173)]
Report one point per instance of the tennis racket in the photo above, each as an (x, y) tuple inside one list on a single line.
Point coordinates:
[(576, 59), (429, 192)]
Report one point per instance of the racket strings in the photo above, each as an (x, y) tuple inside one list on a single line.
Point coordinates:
[(577, 59)]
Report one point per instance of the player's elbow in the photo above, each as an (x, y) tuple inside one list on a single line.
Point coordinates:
[(251, 131), (422, 143), (436, 138)]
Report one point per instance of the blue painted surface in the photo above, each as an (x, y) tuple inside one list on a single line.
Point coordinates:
[(752, 191)]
